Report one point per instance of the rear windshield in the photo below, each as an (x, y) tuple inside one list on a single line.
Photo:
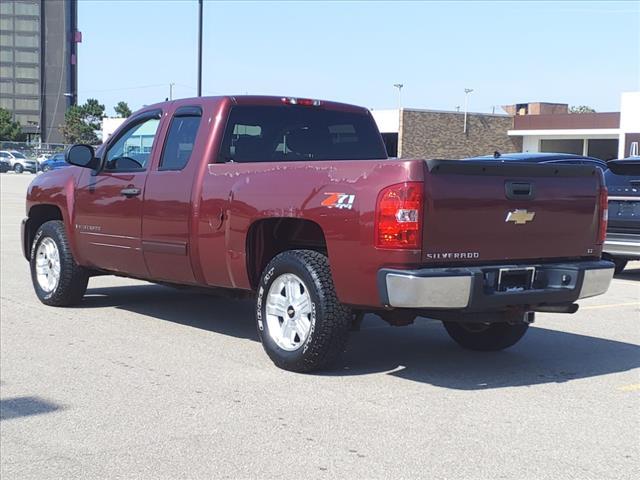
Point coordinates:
[(294, 133)]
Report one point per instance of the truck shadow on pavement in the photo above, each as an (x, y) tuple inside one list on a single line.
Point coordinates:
[(422, 352)]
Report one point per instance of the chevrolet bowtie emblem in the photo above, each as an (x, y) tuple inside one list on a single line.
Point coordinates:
[(520, 217)]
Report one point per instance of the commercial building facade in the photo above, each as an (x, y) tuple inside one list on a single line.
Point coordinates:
[(410, 133), (604, 135), (38, 64)]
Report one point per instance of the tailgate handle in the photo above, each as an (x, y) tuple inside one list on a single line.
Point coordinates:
[(519, 190)]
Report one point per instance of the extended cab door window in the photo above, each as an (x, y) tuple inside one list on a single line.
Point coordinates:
[(131, 152), (181, 138)]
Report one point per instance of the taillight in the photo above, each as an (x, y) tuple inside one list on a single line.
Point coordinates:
[(399, 216), (603, 208)]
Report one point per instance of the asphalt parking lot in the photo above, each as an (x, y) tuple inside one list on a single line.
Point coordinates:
[(144, 381)]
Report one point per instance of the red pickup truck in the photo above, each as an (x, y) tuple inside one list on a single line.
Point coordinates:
[(295, 202)]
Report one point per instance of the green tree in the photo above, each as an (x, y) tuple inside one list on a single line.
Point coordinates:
[(10, 131), (122, 110), (581, 109), (81, 122)]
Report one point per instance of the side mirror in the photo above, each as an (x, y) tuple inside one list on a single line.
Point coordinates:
[(82, 156)]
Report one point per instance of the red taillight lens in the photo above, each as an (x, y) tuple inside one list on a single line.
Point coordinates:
[(603, 208), (399, 216)]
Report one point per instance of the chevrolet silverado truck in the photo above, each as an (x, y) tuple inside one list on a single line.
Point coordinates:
[(295, 203)]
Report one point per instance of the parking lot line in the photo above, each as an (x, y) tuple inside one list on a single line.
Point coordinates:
[(611, 305), (630, 388)]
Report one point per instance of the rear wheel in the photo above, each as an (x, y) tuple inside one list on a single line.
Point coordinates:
[(46, 168), (18, 168), (302, 325), (486, 337), (57, 279)]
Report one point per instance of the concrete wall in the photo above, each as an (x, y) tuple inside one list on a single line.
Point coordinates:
[(438, 134)]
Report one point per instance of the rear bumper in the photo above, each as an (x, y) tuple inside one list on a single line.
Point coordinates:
[(625, 245), (473, 288)]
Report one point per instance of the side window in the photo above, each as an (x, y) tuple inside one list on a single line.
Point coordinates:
[(180, 140), (132, 150)]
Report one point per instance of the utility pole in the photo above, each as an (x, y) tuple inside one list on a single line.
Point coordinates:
[(199, 48), (467, 91), (399, 87), (171, 85)]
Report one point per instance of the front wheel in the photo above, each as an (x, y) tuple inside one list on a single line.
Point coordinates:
[(57, 279), (302, 325), (18, 168), (486, 337)]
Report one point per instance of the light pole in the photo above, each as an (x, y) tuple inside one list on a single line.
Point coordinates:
[(467, 91), (399, 87), (199, 48)]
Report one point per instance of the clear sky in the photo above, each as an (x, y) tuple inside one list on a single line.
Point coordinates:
[(508, 52)]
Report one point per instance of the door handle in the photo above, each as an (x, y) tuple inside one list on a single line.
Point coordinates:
[(130, 192)]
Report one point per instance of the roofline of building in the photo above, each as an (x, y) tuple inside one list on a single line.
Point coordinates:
[(429, 110), (564, 131)]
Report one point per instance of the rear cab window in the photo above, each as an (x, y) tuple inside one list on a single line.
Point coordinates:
[(299, 133)]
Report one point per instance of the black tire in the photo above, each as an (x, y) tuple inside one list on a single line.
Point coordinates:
[(46, 168), (486, 337), (18, 168), (73, 280), (330, 320), (620, 265)]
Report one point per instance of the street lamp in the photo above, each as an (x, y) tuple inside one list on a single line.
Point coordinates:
[(399, 87), (467, 91), (199, 48)]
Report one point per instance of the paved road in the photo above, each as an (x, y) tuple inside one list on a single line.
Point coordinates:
[(143, 381)]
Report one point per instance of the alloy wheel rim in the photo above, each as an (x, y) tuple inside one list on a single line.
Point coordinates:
[(48, 265), (288, 312)]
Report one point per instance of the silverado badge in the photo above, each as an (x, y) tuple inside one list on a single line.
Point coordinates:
[(520, 217)]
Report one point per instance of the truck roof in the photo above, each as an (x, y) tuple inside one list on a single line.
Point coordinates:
[(269, 100)]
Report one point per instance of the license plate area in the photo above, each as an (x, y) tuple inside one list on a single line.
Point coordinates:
[(515, 279)]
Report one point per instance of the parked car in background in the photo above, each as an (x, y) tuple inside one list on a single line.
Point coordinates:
[(623, 231), (55, 162), (42, 157), (5, 166), (543, 157), (19, 163)]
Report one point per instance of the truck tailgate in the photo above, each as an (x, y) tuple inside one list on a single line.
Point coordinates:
[(477, 212)]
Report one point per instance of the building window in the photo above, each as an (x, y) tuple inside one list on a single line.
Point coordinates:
[(6, 55), (27, 9), (6, 8), (23, 56), (27, 89), (562, 146), (604, 149), (6, 71), (27, 104), (6, 88), (6, 23), (6, 39), (6, 103), (27, 25), (25, 119), (28, 73), (27, 41)]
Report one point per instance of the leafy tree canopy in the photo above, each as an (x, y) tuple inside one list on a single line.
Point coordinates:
[(81, 122), (10, 131), (581, 109), (122, 109)]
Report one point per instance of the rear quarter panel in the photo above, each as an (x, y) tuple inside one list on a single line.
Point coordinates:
[(247, 192)]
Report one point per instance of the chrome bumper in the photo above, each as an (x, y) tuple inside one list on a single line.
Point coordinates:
[(625, 245), (473, 288)]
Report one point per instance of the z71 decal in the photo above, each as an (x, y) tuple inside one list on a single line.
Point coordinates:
[(339, 200)]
